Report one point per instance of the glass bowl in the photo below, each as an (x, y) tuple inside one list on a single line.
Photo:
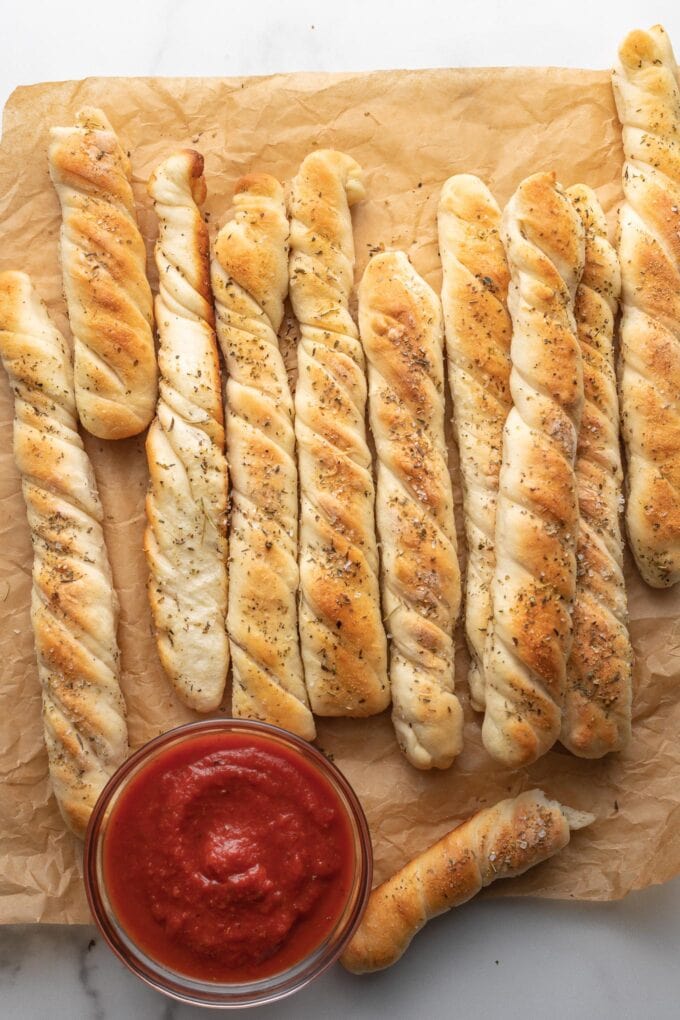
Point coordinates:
[(208, 993)]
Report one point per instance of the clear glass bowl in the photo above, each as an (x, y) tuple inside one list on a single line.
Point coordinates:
[(203, 993)]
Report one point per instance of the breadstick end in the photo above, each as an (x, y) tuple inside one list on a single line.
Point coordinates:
[(577, 819)]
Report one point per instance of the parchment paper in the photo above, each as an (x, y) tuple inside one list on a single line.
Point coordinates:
[(410, 130)]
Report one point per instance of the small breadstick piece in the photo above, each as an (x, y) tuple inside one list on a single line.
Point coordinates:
[(533, 587), (103, 261), (478, 331), (597, 706), (250, 282), (74, 609), (401, 328), (647, 95), (499, 842), (344, 648), (186, 505)]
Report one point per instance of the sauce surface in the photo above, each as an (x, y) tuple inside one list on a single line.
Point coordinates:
[(228, 858)]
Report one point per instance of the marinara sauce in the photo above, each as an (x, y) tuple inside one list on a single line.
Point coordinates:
[(228, 858)]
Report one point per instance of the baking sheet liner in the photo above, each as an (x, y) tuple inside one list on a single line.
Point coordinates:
[(410, 130)]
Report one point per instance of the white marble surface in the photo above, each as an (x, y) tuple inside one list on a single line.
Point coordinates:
[(506, 960), (44, 40), (500, 959)]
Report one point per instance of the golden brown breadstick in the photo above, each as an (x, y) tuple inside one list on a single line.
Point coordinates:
[(74, 609), (499, 842), (250, 282), (344, 648), (647, 96), (534, 582), (402, 334), (597, 705), (478, 330), (103, 261)]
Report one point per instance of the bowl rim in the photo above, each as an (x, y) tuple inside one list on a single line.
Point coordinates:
[(150, 971)]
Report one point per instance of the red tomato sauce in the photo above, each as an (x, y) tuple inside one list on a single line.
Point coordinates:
[(228, 858)]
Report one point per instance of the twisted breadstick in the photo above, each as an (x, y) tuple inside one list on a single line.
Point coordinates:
[(597, 705), (103, 261), (537, 515), (186, 505), (478, 331), (648, 101), (401, 329), (342, 636), (250, 281), (499, 842), (74, 610)]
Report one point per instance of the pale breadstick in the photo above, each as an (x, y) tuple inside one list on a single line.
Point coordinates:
[(344, 648), (186, 505), (597, 705), (103, 261), (250, 282), (499, 842), (74, 610), (647, 97), (478, 330), (401, 328), (534, 581)]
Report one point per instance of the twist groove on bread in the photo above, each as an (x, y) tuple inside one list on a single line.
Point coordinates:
[(647, 97), (597, 705), (103, 261), (499, 842), (186, 504), (250, 282), (537, 515), (74, 610), (478, 331), (342, 637), (401, 328)]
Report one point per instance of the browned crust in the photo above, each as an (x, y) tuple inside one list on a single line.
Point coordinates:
[(478, 333), (648, 101), (342, 636), (537, 516), (402, 335), (498, 842), (597, 709), (74, 608), (255, 270), (104, 266), (250, 280)]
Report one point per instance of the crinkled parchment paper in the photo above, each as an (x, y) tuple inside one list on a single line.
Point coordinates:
[(410, 130)]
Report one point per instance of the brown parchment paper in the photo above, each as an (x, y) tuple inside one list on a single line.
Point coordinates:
[(410, 130)]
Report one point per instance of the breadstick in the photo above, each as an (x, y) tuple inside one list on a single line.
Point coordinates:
[(186, 505), (342, 637), (648, 102), (478, 331), (401, 328), (537, 516), (597, 705), (103, 261), (74, 610), (499, 842), (250, 282)]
